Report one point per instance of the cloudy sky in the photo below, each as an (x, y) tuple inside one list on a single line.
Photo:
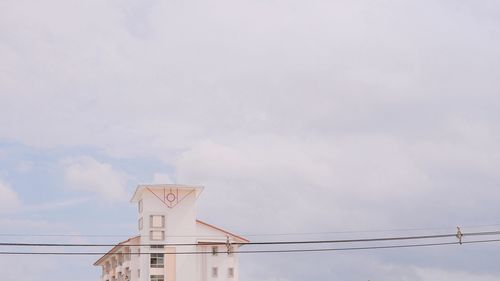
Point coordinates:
[(297, 117)]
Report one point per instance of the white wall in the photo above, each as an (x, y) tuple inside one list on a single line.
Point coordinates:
[(180, 227)]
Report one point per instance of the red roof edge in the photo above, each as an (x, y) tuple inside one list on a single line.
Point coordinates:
[(220, 229), (114, 248)]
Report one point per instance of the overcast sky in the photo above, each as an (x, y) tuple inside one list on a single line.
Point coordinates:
[(296, 116)]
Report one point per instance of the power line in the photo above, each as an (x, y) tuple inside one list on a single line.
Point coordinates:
[(380, 239), (261, 251)]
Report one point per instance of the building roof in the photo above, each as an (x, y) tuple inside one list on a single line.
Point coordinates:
[(143, 187), (115, 248), (242, 240), (129, 241)]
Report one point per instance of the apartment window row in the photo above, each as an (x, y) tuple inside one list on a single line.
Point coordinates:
[(106, 268), (157, 235), (215, 251), (157, 260), (215, 272), (157, 278), (155, 221), (141, 223)]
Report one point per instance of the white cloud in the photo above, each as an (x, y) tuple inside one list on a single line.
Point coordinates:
[(161, 178), (32, 226), (433, 274), (9, 200), (87, 174), (297, 71), (347, 179), (56, 205)]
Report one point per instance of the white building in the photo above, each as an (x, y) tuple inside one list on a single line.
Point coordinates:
[(167, 216)]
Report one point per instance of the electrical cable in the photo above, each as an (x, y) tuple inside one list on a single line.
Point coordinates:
[(380, 239), (261, 251)]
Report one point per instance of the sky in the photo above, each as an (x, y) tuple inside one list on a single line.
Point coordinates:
[(357, 118)]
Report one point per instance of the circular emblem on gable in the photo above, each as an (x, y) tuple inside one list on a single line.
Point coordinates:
[(170, 197)]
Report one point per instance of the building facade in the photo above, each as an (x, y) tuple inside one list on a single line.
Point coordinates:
[(172, 245)]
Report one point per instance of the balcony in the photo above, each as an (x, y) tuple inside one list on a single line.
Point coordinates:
[(105, 277), (126, 264)]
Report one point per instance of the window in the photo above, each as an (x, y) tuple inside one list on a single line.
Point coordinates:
[(230, 272), (215, 272), (157, 221), (156, 260), (139, 273), (157, 246), (139, 206), (214, 250), (141, 224), (157, 235), (157, 278)]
